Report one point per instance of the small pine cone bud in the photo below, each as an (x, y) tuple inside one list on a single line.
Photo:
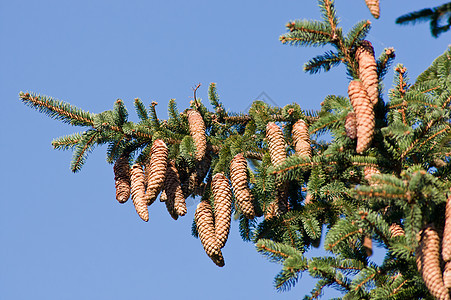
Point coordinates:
[(276, 142), (369, 171), (364, 114), (223, 207), (173, 190), (447, 275), (138, 190), (301, 139), (197, 131), (368, 245), (428, 262), (396, 230), (351, 125), (157, 170), (446, 242), (238, 177), (206, 229), (374, 8), (368, 70), (122, 178)]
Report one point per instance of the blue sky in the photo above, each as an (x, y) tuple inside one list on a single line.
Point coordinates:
[(63, 235)]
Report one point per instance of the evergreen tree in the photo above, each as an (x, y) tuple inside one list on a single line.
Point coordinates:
[(382, 178)]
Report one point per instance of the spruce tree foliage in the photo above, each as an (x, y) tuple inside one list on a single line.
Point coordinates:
[(439, 18), (331, 193)]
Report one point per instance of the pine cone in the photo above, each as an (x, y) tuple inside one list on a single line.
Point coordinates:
[(279, 205), (428, 262), (351, 125), (173, 191), (373, 5), (206, 229), (396, 230), (447, 275), (223, 207), (368, 245), (193, 184), (368, 70), (157, 170), (238, 177), (197, 131), (138, 190), (301, 139), (364, 114), (369, 171), (122, 178), (276, 143), (446, 242)]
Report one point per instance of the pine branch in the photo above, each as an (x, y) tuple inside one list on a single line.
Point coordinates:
[(323, 62), (67, 142), (141, 109)]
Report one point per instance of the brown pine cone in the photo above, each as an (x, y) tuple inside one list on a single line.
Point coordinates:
[(193, 184), (223, 207), (157, 170), (428, 262), (364, 114), (368, 245), (446, 242), (238, 177), (368, 70), (396, 230), (122, 178), (369, 171), (197, 131), (279, 205), (206, 229), (373, 6), (277, 149), (351, 125), (301, 139), (447, 275), (138, 190), (173, 190)]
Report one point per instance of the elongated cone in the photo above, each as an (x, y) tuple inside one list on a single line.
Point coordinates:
[(428, 262), (364, 114), (368, 245), (238, 177), (138, 190), (369, 171), (223, 207), (173, 191), (396, 230), (193, 183), (374, 8), (446, 242), (301, 138), (277, 149), (122, 178), (447, 275), (368, 70), (206, 229), (279, 205), (197, 131), (351, 125), (157, 170)]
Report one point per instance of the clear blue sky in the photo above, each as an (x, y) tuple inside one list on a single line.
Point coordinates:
[(63, 235)]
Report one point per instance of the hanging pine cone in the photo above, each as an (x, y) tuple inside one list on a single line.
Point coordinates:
[(368, 245), (238, 177), (223, 207), (138, 190), (301, 138), (173, 190), (197, 131), (428, 262), (157, 170), (446, 242), (447, 275), (206, 229), (396, 230), (373, 6), (279, 205), (276, 143), (368, 70), (369, 171), (351, 125), (122, 178), (364, 114), (193, 184)]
